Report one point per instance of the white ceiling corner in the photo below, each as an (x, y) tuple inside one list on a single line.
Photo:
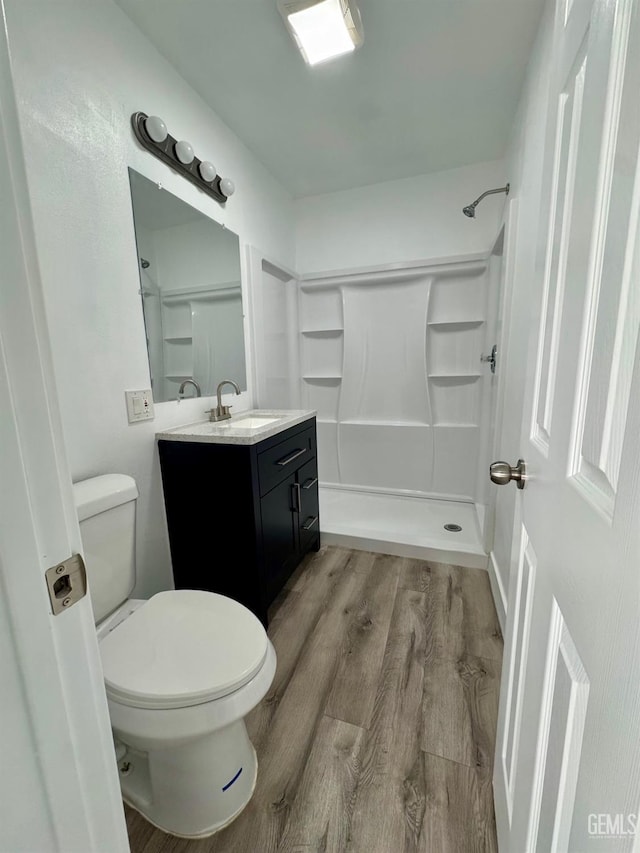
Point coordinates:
[(435, 85)]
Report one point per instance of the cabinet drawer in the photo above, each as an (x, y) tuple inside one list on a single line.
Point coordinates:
[(279, 461)]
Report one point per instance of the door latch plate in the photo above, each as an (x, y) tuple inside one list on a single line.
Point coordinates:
[(66, 583), (492, 358)]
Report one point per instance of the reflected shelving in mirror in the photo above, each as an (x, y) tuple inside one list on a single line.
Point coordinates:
[(191, 290)]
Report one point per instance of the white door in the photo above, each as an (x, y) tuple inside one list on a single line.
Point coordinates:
[(567, 772), (59, 789)]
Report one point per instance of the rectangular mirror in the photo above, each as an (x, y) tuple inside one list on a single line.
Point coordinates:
[(191, 293)]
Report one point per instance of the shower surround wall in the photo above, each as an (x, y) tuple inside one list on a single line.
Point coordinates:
[(405, 293), (390, 360)]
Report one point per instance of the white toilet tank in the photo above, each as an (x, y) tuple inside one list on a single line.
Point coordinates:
[(106, 508)]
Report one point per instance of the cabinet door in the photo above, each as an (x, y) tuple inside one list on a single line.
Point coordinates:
[(309, 522), (279, 532)]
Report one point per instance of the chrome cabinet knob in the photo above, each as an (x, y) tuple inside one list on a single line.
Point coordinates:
[(502, 473)]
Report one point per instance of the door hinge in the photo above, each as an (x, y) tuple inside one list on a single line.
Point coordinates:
[(67, 583)]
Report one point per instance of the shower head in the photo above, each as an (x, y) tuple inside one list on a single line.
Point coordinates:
[(144, 263), (470, 209)]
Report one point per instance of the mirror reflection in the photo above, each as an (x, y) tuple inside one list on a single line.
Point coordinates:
[(191, 294)]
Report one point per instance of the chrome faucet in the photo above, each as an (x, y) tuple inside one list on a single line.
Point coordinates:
[(222, 413), (183, 386)]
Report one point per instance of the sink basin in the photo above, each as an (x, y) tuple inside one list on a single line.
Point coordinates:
[(247, 423)]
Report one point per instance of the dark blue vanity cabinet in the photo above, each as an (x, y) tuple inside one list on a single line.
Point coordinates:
[(241, 517)]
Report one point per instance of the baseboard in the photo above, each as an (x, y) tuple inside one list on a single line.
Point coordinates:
[(497, 589)]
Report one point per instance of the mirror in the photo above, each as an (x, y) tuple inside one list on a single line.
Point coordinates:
[(191, 294)]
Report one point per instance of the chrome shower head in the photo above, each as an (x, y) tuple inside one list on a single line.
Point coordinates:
[(470, 209)]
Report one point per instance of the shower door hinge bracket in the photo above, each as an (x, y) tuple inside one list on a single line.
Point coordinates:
[(66, 583)]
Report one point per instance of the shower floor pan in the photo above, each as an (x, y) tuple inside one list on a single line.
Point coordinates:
[(403, 526)]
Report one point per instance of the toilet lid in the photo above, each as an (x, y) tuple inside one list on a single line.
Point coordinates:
[(182, 648)]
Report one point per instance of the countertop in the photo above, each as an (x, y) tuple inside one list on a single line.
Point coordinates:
[(232, 432)]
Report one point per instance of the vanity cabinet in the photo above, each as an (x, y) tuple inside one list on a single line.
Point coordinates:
[(241, 517)]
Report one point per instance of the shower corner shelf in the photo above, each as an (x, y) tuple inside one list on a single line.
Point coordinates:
[(323, 376), (378, 422), (454, 425), (178, 339), (453, 376), (478, 321)]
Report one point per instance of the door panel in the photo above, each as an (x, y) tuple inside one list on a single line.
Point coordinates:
[(566, 147), (520, 606), (560, 741), (612, 305), (570, 705), (59, 789)]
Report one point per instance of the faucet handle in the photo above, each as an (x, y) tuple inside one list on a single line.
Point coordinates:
[(219, 413)]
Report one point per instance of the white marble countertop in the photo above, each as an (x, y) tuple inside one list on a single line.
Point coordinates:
[(232, 431)]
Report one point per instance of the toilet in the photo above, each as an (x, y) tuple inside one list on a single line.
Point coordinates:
[(181, 672)]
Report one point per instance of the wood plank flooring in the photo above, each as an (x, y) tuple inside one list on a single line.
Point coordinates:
[(377, 734)]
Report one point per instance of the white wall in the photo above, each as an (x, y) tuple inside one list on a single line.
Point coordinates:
[(408, 220), (80, 69)]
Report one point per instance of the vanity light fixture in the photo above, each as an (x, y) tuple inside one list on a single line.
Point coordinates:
[(151, 132), (323, 29)]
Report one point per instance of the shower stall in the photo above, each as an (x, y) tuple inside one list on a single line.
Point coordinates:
[(396, 364)]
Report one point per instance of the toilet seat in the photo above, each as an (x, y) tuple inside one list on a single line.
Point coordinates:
[(182, 648)]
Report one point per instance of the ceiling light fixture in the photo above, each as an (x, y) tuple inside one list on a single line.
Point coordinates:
[(323, 29)]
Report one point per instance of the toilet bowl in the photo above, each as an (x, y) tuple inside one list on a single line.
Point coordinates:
[(181, 670)]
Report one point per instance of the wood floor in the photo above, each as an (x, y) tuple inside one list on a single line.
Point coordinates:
[(377, 735)]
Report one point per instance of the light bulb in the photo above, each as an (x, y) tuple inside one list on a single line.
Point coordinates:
[(227, 187), (184, 152), (207, 171), (156, 128)]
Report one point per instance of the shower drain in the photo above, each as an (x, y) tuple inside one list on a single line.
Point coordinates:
[(453, 528)]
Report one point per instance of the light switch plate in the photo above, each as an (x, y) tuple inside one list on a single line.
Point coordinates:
[(139, 405)]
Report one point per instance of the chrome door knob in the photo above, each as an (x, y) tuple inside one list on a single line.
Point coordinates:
[(502, 473)]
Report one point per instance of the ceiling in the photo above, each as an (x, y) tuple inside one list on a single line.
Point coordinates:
[(434, 86)]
